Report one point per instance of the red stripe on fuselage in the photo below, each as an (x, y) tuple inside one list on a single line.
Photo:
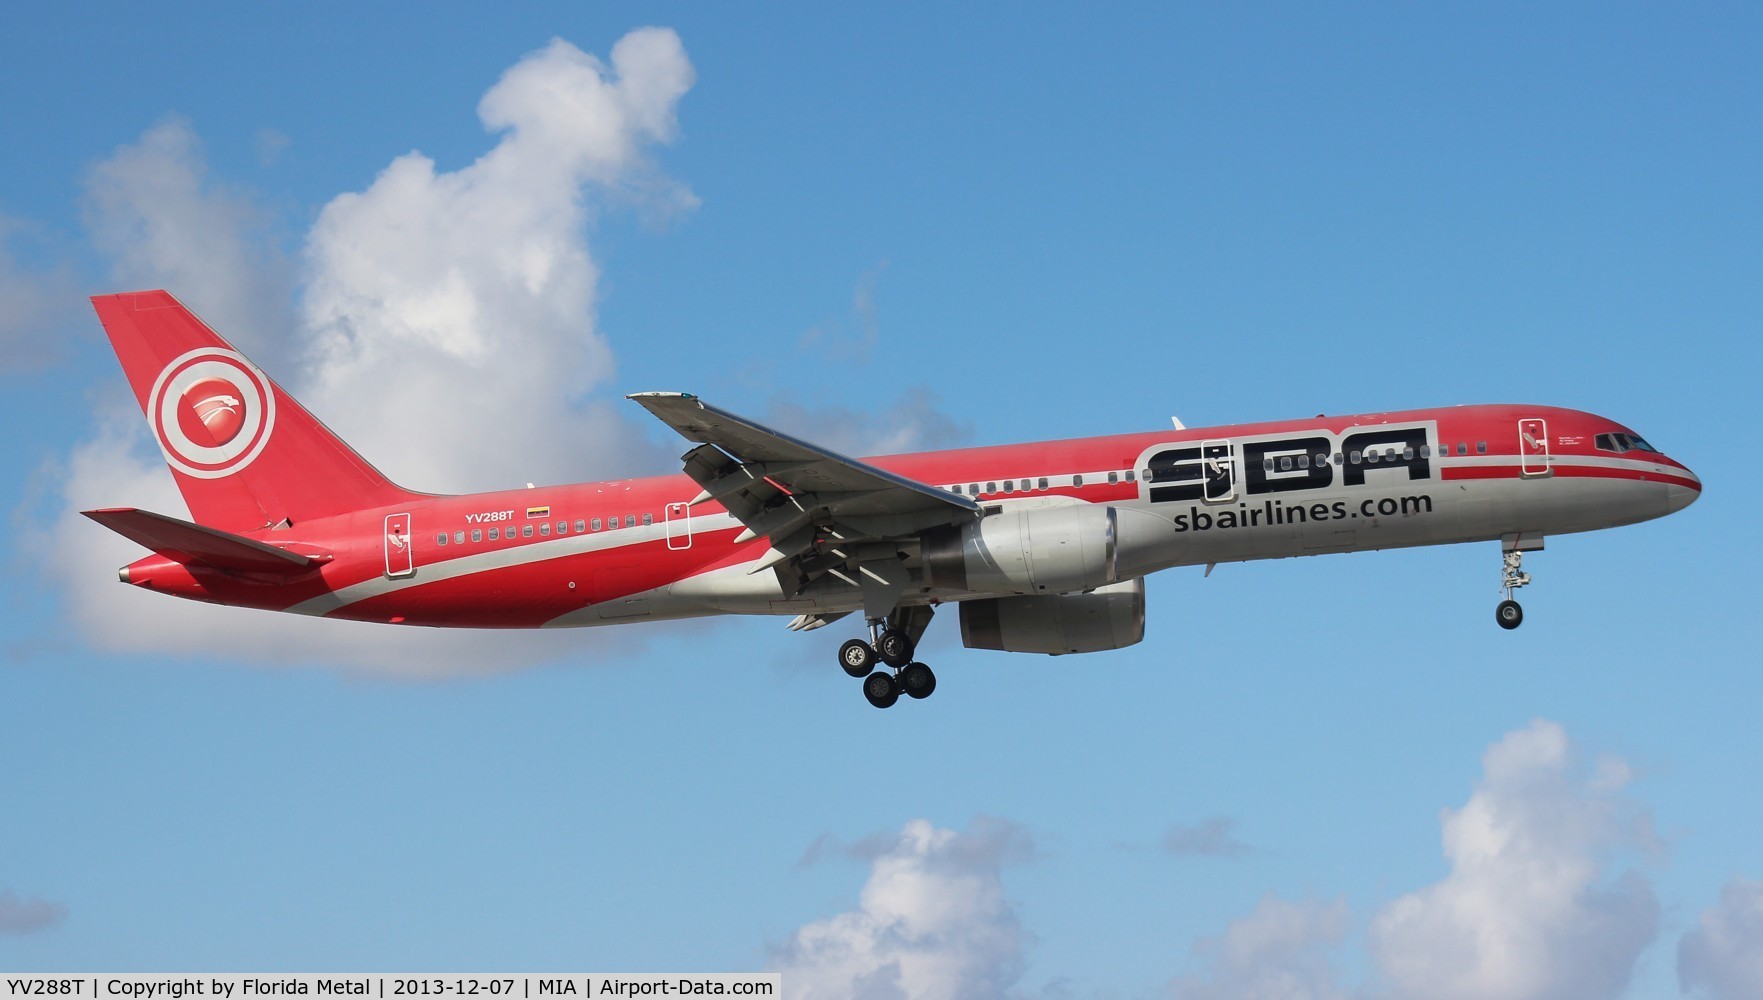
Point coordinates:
[(1565, 471)]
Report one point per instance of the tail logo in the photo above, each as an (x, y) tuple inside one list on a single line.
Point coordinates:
[(212, 412)]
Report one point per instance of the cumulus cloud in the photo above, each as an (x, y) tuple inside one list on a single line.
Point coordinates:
[(1723, 955), (152, 209), (457, 307), (430, 288), (1214, 837), (1529, 908), (932, 920), (22, 916), (1279, 952)]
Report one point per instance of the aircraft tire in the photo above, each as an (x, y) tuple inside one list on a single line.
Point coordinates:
[(895, 648), (1509, 615), (917, 680), (881, 689), (856, 656)]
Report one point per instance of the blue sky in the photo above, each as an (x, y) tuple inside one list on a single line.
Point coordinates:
[(907, 226)]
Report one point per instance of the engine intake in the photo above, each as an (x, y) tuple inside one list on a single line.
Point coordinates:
[(1109, 617), (1050, 550)]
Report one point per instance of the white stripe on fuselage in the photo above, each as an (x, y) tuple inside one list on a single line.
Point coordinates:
[(503, 558)]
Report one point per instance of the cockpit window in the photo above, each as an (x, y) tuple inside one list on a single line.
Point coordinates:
[(1619, 442)]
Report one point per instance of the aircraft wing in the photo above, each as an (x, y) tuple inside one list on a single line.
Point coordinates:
[(792, 492)]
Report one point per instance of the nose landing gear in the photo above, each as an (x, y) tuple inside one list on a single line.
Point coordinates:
[(892, 641), (1512, 576)]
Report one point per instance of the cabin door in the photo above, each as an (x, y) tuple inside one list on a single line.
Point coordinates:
[(400, 560), (1533, 447), (1218, 471)]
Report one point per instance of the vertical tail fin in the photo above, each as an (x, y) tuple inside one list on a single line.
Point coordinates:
[(245, 454)]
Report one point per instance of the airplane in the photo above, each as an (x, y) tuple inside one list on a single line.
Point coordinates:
[(1043, 547)]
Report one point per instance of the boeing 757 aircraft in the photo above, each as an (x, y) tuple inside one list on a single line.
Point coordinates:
[(1043, 547)]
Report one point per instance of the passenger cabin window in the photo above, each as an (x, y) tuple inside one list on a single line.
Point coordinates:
[(1113, 477), (1043, 482), (630, 520), (526, 531), (1481, 447), (545, 529), (495, 533), (458, 538), (441, 539), (1354, 457), (477, 534), (1077, 480), (991, 487), (1129, 475), (580, 526), (594, 525), (648, 518)]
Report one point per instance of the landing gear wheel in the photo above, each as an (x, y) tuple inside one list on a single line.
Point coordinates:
[(1509, 614), (881, 689), (895, 648), (856, 656), (917, 680)]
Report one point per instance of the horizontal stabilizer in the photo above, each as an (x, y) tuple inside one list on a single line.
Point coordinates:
[(187, 543)]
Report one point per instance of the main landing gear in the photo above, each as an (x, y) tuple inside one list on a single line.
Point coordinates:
[(1509, 614), (890, 644)]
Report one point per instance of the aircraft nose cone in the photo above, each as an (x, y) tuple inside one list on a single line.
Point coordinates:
[(1679, 497)]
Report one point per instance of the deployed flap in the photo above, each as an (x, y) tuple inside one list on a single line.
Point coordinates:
[(750, 462), (789, 491), (187, 542)]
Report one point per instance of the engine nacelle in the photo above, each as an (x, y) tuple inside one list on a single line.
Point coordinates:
[(1110, 617), (1048, 550)]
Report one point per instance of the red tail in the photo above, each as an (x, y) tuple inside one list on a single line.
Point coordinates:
[(245, 454)]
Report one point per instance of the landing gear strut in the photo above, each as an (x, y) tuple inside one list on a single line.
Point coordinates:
[(1509, 614), (892, 641)]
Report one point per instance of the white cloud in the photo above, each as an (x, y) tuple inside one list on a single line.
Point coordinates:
[(1214, 837), (151, 208), (932, 921), (1279, 952), (462, 303), (1723, 955), (1529, 908), (22, 916), (454, 307)]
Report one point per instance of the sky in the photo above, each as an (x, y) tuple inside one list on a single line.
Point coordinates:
[(461, 234)]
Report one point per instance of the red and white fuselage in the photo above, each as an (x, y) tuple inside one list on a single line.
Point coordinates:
[(1044, 545), (618, 551)]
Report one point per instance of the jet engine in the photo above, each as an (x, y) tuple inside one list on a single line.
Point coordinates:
[(1048, 550), (1108, 617)]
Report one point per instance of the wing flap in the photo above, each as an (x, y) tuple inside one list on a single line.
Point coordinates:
[(821, 512), (187, 542)]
